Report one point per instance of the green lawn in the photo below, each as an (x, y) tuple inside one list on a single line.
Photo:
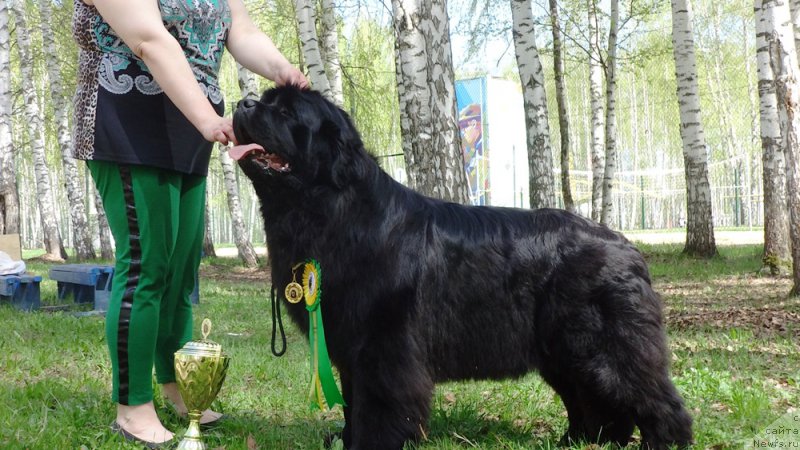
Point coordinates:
[(734, 340)]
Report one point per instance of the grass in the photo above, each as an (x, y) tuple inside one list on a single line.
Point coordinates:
[(734, 339)]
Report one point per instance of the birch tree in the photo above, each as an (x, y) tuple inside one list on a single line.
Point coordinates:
[(330, 49), (563, 117), (596, 95), (783, 61), (249, 89), (82, 238), (426, 94), (611, 116), (104, 232), (306, 25), (540, 157), (776, 218), (9, 197), (208, 239), (33, 115), (699, 220)]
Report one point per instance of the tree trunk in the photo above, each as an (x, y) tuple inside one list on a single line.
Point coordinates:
[(426, 91), (563, 117), (306, 25), (208, 238), (776, 216), (700, 221), (247, 86), (783, 61), (106, 248), (9, 196), (82, 237), (611, 117), (330, 50), (596, 95), (33, 115), (794, 8), (540, 156)]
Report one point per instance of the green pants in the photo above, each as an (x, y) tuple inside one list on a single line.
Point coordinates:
[(157, 219)]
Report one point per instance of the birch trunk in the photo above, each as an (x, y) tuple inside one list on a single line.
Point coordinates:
[(249, 89), (783, 61), (208, 237), (563, 117), (700, 222), (330, 50), (9, 196), (610, 170), (794, 8), (82, 237), (540, 157), (596, 95), (307, 28), (106, 247), (426, 91), (33, 115), (777, 254)]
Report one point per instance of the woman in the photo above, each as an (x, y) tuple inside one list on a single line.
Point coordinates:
[(147, 112)]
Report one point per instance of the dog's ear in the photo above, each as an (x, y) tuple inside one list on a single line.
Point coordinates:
[(347, 164)]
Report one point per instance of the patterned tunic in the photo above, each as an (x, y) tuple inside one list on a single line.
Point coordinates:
[(121, 113)]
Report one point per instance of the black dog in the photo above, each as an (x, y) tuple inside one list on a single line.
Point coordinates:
[(417, 290)]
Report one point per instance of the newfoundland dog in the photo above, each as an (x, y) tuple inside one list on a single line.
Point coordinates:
[(418, 290)]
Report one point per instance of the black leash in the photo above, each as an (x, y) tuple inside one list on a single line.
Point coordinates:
[(276, 318)]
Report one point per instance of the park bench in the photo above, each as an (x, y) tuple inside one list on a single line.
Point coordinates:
[(21, 290), (85, 283)]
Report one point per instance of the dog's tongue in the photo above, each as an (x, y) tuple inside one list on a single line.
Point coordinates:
[(238, 152)]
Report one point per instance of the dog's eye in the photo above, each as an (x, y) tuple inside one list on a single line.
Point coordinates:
[(284, 111)]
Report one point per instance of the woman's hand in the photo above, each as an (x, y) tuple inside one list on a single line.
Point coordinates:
[(291, 75), (218, 129)]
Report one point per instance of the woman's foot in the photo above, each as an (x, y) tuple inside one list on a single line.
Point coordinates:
[(170, 391), (141, 422)]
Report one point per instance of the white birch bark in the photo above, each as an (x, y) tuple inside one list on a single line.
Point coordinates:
[(104, 232), (596, 95), (208, 238), (330, 49), (306, 25), (606, 217), (794, 8), (540, 156), (82, 237), (33, 115), (783, 61), (249, 89), (561, 99), (426, 92), (776, 215), (9, 197), (699, 220)]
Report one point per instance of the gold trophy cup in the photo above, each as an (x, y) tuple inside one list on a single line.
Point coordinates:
[(200, 369)]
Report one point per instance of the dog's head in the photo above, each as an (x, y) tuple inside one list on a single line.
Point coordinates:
[(302, 141)]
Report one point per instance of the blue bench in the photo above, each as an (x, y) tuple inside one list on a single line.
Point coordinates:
[(21, 290), (85, 283)]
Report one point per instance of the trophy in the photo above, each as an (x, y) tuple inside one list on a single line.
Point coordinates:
[(200, 369)]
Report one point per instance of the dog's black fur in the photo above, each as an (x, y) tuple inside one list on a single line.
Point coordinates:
[(417, 290)]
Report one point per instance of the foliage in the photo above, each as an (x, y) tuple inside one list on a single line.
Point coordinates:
[(734, 339)]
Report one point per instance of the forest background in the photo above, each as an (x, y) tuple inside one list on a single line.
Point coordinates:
[(650, 183)]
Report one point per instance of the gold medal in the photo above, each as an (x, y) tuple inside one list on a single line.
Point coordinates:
[(293, 292)]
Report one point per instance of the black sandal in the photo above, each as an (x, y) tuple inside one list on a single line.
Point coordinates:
[(117, 428)]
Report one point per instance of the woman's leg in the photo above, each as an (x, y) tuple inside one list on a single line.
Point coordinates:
[(139, 204), (175, 325)]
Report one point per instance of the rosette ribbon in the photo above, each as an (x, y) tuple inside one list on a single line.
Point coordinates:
[(323, 393)]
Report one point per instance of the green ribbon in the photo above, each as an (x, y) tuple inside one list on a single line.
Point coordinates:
[(323, 393)]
